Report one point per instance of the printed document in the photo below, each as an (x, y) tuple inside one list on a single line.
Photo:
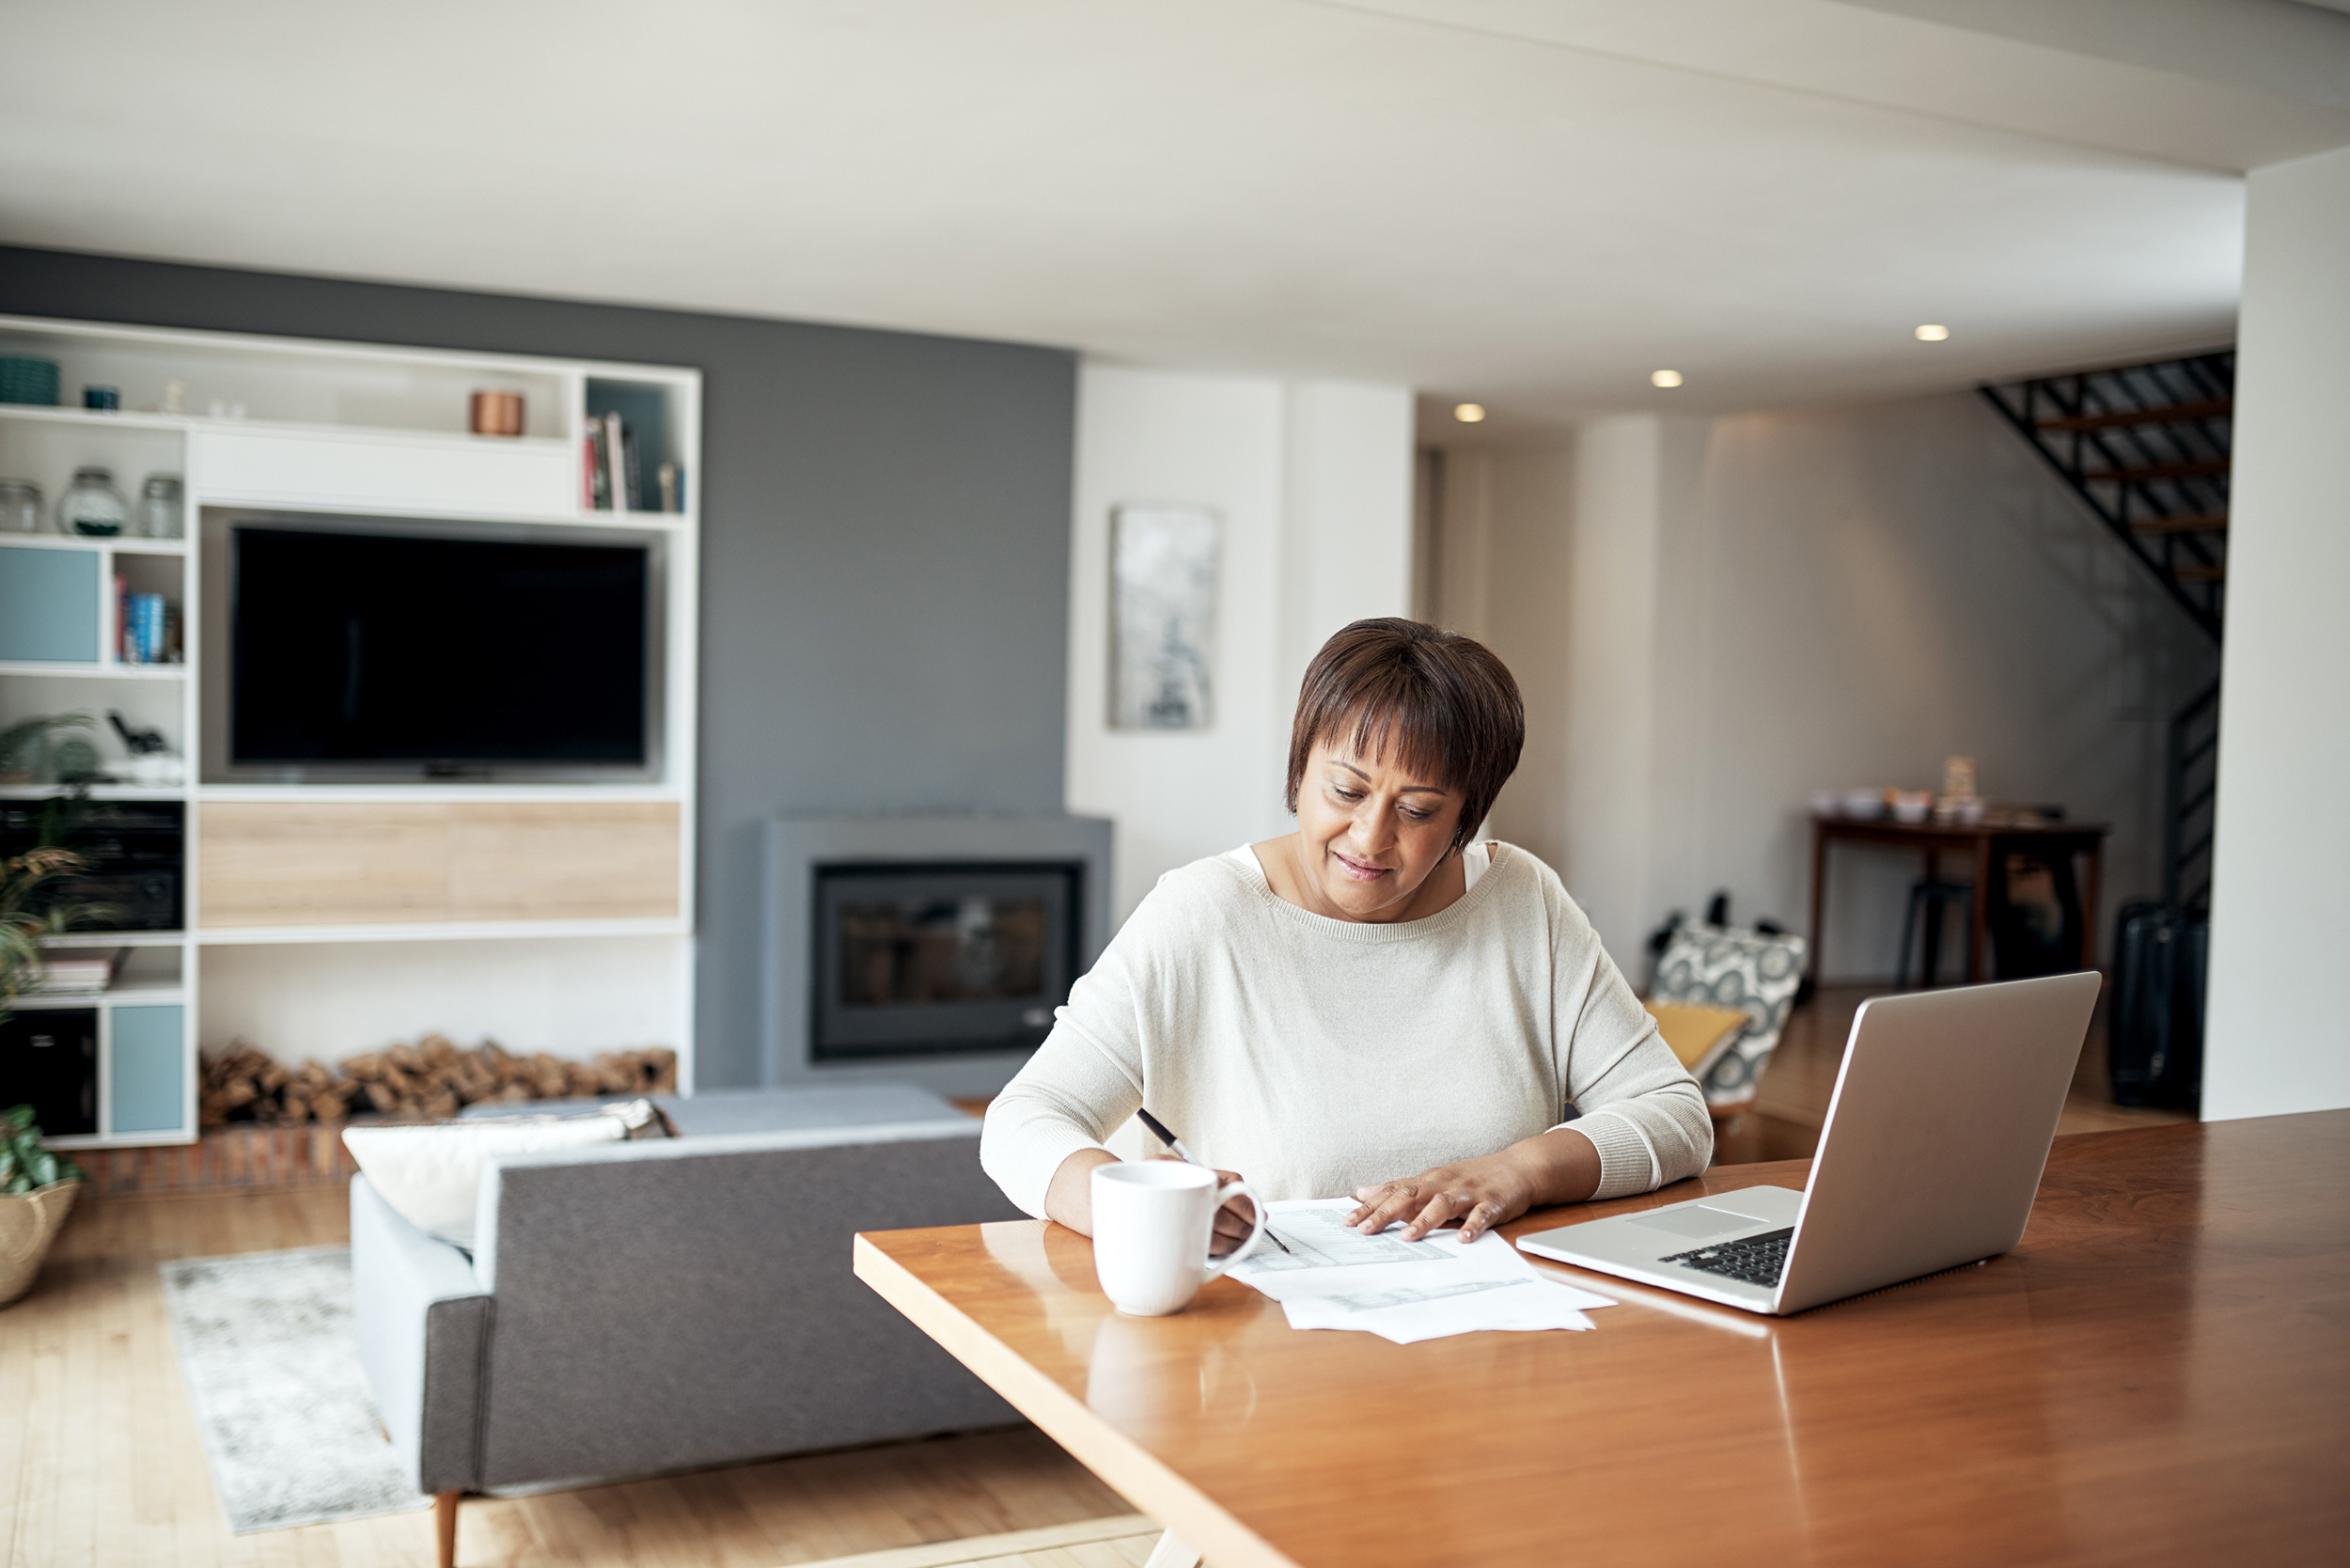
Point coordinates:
[(1334, 1277)]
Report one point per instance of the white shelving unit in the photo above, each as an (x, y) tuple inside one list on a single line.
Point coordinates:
[(281, 429)]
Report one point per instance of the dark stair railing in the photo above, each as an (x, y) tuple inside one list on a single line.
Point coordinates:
[(2147, 448), (2191, 782)]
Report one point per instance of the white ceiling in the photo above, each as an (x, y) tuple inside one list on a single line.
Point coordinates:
[(1529, 203)]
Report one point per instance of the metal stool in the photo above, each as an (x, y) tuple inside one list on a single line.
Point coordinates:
[(1933, 896)]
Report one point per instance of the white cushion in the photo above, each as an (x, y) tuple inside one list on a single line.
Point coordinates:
[(430, 1174)]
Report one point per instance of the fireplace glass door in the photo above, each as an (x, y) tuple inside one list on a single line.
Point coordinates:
[(915, 959)]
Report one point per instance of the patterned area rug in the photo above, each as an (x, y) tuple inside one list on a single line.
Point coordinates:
[(265, 1344)]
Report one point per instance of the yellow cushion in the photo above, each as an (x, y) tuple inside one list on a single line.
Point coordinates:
[(1695, 1033)]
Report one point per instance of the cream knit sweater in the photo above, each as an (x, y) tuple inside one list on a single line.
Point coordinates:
[(1316, 1056)]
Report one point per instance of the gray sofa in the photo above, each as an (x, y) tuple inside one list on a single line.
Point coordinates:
[(663, 1304)]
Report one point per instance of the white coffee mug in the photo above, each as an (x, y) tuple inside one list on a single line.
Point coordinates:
[(1152, 1220)]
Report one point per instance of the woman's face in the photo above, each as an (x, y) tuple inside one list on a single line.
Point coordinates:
[(1371, 834)]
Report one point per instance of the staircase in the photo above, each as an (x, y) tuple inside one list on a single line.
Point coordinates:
[(2190, 796), (2146, 446)]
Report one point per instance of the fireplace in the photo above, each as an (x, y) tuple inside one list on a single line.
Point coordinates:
[(937, 948), (939, 956)]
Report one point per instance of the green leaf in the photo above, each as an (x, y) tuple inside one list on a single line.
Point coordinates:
[(19, 1116), (43, 1167)]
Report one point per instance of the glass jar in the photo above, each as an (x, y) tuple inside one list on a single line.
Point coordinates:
[(158, 506), (20, 507), (91, 506)]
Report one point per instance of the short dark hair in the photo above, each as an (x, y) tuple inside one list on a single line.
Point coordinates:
[(1444, 701)]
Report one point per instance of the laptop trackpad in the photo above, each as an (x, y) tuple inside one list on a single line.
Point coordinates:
[(1695, 1223)]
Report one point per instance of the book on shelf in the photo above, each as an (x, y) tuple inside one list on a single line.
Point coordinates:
[(612, 476), (147, 627), (610, 456), (619, 450), (594, 493), (85, 972)]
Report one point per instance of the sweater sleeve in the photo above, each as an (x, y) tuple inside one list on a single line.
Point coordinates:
[(1085, 1079), (1071, 1094), (1641, 1109)]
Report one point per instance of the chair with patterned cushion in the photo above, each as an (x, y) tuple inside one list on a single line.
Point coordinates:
[(1736, 967)]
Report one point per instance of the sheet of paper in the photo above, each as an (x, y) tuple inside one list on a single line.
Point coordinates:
[(1332, 1278), (1407, 1316), (1317, 1237)]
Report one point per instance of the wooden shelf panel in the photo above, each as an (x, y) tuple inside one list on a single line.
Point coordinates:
[(444, 930), (296, 865)]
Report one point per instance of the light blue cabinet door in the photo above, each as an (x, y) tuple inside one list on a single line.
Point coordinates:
[(49, 605), (147, 1059)]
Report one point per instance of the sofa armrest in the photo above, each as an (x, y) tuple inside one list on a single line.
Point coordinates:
[(422, 1318)]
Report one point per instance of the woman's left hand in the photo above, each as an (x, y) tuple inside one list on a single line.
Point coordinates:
[(1558, 1166)]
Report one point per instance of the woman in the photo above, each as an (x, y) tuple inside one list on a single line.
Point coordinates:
[(1373, 1005)]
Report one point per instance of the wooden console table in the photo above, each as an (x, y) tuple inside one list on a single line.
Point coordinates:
[(1982, 845)]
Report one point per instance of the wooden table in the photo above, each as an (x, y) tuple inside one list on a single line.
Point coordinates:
[(1981, 845), (2160, 1373)]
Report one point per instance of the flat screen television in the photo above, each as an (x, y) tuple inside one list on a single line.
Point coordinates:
[(401, 655)]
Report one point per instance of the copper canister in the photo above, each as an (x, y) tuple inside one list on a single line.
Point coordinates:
[(497, 413)]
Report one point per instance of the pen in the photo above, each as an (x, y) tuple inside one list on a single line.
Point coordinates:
[(1159, 1130)]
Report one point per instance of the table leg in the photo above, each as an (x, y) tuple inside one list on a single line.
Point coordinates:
[(1979, 918), (1171, 1553), (1818, 901), (2089, 907)]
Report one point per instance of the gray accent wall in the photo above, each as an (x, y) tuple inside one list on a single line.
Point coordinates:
[(885, 551)]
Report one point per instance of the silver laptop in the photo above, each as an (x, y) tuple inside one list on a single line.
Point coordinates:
[(1935, 1139)]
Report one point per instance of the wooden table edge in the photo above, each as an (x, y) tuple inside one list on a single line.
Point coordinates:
[(1128, 1468)]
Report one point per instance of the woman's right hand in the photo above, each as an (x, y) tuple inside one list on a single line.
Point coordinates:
[(1070, 1201), (1233, 1221)]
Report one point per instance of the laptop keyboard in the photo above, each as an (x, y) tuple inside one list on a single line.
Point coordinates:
[(1756, 1260)]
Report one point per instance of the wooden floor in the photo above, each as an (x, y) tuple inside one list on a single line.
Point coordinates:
[(1124, 1541), (1791, 1103), (100, 1462)]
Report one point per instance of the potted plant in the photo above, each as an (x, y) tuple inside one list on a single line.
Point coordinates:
[(37, 1192), (51, 748), (36, 1188)]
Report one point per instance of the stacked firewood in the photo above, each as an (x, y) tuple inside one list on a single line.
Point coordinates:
[(424, 1082)]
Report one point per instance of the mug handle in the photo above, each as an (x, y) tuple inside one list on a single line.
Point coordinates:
[(1230, 1190)]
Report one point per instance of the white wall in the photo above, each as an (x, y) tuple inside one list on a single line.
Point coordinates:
[(2276, 1037), (332, 999), (1313, 483), (1509, 504), (1760, 606), (1346, 535)]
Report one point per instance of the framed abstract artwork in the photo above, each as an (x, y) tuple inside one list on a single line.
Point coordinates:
[(1163, 592)]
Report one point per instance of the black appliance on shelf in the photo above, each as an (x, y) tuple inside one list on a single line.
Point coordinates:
[(134, 855), (49, 1060)]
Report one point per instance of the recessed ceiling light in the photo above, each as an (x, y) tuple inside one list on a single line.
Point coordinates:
[(1932, 333), (1468, 413), (1664, 378)]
